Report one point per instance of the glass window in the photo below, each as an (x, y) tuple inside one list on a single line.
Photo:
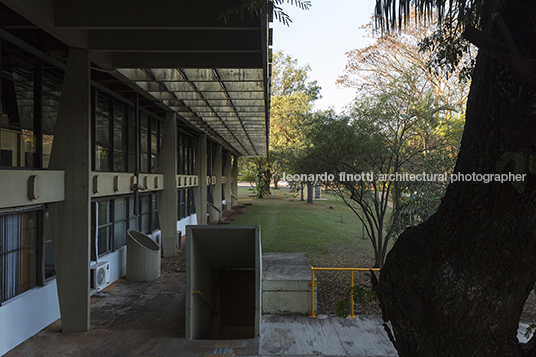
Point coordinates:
[(182, 203), (112, 218), (17, 105), (145, 213), (50, 269), (120, 138), (155, 223), (19, 234), (104, 227), (155, 144), (28, 251), (133, 222), (51, 101), (103, 143), (192, 165), (22, 128), (120, 222), (185, 154), (180, 154), (191, 202), (131, 141), (11, 147), (144, 143), (47, 149)]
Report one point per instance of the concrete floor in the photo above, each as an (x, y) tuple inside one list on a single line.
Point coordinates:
[(326, 336), (147, 319)]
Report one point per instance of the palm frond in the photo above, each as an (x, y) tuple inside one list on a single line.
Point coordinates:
[(270, 7), (393, 14)]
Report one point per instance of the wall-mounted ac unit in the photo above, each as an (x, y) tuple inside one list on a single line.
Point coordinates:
[(100, 275)]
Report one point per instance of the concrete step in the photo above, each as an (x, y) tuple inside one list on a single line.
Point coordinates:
[(285, 284)]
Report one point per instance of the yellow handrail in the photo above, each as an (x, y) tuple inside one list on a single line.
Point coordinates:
[(312, 284), (212, 310)]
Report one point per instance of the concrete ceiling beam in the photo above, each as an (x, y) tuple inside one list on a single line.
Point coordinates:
[(156, 14)]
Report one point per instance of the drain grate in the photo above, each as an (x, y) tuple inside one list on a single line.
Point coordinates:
[(222, 344)]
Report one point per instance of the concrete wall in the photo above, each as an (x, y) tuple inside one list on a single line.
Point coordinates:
[(201, 279), (27, 314)]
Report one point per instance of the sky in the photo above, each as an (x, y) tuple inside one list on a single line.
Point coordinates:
[(320, 37)]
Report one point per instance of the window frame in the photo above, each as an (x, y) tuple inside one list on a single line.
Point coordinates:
[(150, 213), (39, 245)]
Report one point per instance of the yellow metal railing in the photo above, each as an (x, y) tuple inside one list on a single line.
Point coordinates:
[(212, 310), (312, 284)]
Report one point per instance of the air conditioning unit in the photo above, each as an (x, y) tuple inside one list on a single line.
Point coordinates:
[(100, 275)]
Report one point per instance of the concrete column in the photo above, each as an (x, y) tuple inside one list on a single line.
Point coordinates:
[(71, 219), (200, 192), (167, 198), (227, 185), (234, 185), (214, 210), (218, 172)]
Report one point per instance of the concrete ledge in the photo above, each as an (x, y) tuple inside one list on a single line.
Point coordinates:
[(30, 187), (285, 267), (118, 183), (285, 279)]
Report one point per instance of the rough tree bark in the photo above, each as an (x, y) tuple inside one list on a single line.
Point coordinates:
[(456, 284), (310, 192)]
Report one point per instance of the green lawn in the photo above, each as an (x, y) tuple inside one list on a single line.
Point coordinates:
[(330, 237)]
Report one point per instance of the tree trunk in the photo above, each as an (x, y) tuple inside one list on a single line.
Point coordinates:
[(456, 284), (310, 192)]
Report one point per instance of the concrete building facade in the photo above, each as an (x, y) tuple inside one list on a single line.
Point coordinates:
[(116, 115)]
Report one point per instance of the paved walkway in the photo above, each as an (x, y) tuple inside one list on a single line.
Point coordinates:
[(147, 319), (332, 336)]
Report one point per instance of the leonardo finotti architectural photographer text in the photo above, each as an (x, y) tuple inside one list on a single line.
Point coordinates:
[(405, 176)]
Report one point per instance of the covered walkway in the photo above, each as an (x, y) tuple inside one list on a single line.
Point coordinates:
[(147, 319)]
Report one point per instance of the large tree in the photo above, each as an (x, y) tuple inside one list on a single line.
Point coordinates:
[(390, 129), (456, 284), (293, 95), (393, 55), (437, 97)]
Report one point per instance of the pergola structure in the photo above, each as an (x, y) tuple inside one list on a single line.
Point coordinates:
[(103, 102), (180, 55)]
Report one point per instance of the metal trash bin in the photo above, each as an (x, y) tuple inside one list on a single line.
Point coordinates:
[(143, 257)]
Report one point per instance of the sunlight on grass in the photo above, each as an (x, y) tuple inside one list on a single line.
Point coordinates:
[(327, 231)]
